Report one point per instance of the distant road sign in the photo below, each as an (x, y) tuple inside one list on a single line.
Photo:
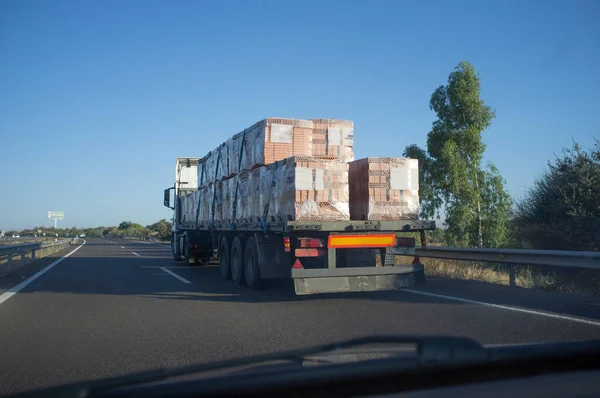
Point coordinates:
[(56, 215)]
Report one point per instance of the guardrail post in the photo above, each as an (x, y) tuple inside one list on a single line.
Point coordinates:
[(511, 275), (23, 256), (33, 255), (9, 263)]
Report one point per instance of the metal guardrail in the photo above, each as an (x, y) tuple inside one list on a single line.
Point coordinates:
[(549, 258), (556, 258), (22, 249), (145, 237)]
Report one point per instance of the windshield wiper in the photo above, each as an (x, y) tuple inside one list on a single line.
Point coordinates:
[(429, 350)]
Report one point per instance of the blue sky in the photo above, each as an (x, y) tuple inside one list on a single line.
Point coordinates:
[(98, 98)]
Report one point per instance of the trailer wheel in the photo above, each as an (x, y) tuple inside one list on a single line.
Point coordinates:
[(237, 262), (186, 251), (175, 248), (224, 263), (251, 268)]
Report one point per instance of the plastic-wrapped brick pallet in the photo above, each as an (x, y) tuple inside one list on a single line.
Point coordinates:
[(248, 198), (189, 204), (220, 187), (269, 141), (384, 189), (205, 201), (274, 139), (306, 188), (208, 166), (333, 138)]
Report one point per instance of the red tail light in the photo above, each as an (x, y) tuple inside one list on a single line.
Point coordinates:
[(286, 244), (307, 243), (408, 242)]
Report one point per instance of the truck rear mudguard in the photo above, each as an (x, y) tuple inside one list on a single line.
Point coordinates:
[(358, 279)]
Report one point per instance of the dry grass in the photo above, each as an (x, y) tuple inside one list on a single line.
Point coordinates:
[(569, 281)]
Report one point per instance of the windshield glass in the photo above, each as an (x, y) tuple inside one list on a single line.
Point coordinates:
[(190, 182)]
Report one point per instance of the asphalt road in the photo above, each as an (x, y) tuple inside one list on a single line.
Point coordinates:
[(111, 308)]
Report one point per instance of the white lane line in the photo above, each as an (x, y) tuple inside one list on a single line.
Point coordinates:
[(10, 292), (135, 253), (122, 247), (173, 274), (506, 307)]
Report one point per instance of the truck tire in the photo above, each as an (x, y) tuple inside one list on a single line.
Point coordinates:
[(251, 268), (186, 251), (175, 248), (224, 264), (237, 262), (420, 278)]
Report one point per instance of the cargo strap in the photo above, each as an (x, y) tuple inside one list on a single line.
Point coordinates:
[(237, 185), (265, 225), (212, 223), (200, 193)]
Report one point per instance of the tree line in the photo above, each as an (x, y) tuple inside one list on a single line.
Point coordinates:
[(160, 230), (560, 211)]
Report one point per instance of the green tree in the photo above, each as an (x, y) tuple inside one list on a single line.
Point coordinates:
[(129, 228), (452, 177), (162, 229), (562, 209), (125, 225)]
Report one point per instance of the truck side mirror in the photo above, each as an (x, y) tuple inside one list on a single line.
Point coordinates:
[(167, 198)]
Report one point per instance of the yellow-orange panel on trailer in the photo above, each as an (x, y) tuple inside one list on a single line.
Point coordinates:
[(366, 240)]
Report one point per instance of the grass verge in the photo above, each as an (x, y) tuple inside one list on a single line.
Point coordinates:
[(530, 277)]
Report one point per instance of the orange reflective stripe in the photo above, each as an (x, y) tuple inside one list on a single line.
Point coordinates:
[(371, 240)]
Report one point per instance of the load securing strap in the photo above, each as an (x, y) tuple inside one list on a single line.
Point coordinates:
[(237, 185), (199, 193), (212, 223)]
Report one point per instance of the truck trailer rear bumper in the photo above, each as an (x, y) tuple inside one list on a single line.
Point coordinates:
[(337, 280)]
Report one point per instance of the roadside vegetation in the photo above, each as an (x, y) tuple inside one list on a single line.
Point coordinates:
[(160, 230), (561, 211)]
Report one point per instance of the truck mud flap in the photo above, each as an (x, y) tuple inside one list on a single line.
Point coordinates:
[(360, 279)]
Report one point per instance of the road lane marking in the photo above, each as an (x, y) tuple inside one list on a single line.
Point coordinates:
[(173, 274), (505, 307), (122, 247), (135, 253), (10, 292)]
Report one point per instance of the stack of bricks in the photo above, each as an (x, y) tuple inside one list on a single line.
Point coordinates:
[(248, 198), (228, 187), (333, 139), (384, 189), (254, 162), (214, 166), (219, 192), (274, 139), (308, 188), (268, 141), (189, 204), (292, 169)]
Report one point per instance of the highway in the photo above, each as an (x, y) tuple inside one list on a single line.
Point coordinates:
[(114, 307)]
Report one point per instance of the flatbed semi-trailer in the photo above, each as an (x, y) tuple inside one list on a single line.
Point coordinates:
[(320, 256)]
